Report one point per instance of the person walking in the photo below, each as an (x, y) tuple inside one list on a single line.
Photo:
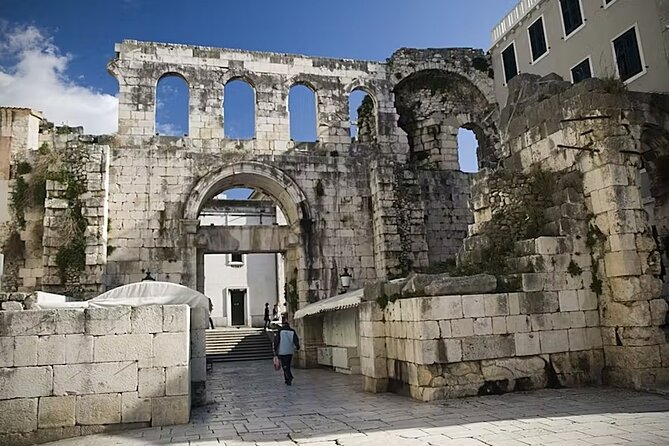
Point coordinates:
[(275, 313), (266, 317), (211, 308), (285, 344)]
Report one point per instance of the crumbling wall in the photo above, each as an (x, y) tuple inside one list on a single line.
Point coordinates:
[(71, 372), (594, 234)]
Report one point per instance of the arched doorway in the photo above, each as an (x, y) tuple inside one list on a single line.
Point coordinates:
[(293, 240)]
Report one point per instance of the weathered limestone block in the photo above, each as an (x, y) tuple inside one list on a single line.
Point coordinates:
[(124, 347), (135, 409), (426, 351), (171, 349), (56, 411), (640, 336), (482, 326), (427, 330), (6, 351), (579, 368), (81, 379), (51, 350), (496, 304), (325, 356), (106, 321), (25, 382), (78, 349), (177, 381), (627, 314), (147, 319), (568, 300), (151, 382), (441, 307), (473, 306), (25, 351), (486, 347), (99, 409), (70, 321), (176, 318), (170, 410), (27, 323), (18, 415), (199, 319), (538, 302), (445, 285), (527, 344), (622, 263), (518, 323), (554, 341), (198, 343), (587, 300), (453, 349), (416, 283), (11, 306), (512, 369)]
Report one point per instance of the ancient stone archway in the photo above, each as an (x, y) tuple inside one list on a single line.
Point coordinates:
[(295, 240)]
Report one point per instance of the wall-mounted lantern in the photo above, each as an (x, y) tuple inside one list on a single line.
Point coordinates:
[(345, 280)]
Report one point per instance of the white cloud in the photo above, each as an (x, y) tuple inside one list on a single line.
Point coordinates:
[(169, 129), (36, 79)]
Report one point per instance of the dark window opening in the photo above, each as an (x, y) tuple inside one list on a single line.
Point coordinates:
[(537, 39), (581, 71), (509, 61), (362, 115), (571, 15), (628, 57), (236, 258)]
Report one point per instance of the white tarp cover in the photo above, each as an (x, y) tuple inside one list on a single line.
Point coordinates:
[(139, 294), (340, 302)]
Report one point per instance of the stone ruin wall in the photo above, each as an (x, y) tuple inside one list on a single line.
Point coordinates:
[(586, 272), (71, 372), (360, 199)]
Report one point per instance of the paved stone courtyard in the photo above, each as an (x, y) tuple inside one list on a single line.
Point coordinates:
[(251, 405)]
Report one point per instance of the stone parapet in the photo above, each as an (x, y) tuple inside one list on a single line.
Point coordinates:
[(69, 372)]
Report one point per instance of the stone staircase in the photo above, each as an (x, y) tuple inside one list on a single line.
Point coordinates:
[(238, 344)]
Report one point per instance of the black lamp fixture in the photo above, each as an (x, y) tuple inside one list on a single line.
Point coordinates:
[(345, 280)]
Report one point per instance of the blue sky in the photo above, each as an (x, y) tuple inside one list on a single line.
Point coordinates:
[(53, 54)]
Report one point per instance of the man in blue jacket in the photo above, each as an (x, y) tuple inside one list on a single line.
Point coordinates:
[(285, 344)]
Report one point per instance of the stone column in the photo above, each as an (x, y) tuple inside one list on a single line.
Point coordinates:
[(205, 105), (272, 121), (625, 273), (189, 277), (372, 349)]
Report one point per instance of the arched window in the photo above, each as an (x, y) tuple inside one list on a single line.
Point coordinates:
[(362, 113), (172, 106), (467, 150), (302, 110), (239, 110)]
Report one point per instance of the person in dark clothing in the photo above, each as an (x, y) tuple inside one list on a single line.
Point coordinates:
[(267, 319), (211, 308), (285, 344)]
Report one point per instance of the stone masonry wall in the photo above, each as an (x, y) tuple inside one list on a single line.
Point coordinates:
[(71, 372), (455, 346)]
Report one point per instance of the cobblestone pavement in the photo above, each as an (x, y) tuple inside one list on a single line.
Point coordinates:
[(251, 405)]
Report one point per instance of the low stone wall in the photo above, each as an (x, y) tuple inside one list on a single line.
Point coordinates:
[(71, 372), (17, 301), (453, 346)]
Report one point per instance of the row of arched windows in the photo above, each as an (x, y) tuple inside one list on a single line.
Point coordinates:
[(239, 111)]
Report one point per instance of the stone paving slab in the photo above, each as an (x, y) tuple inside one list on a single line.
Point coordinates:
[(250, 405)]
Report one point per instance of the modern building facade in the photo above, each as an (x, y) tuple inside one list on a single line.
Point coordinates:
[(578, 39)]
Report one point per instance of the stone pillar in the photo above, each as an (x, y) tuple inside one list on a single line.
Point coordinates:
[(626, 271), (189, 277), (272, 121), (205, 106), (310, 332), (372, 349), (332, 107)]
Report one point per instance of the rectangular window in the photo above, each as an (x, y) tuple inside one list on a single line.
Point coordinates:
[(581, 71), (509, 62), (608, 2), (572, 18), (236, 259), (627, 54), (537, 34)]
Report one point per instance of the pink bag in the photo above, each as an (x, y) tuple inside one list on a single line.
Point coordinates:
[(277, 363)]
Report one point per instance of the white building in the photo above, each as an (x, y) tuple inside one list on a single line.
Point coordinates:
[(239, 284), (578, 39)]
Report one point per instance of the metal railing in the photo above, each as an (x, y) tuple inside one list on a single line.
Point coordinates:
[(516, 14)]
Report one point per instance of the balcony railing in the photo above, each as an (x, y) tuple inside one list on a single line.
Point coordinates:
[(515, 16)]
